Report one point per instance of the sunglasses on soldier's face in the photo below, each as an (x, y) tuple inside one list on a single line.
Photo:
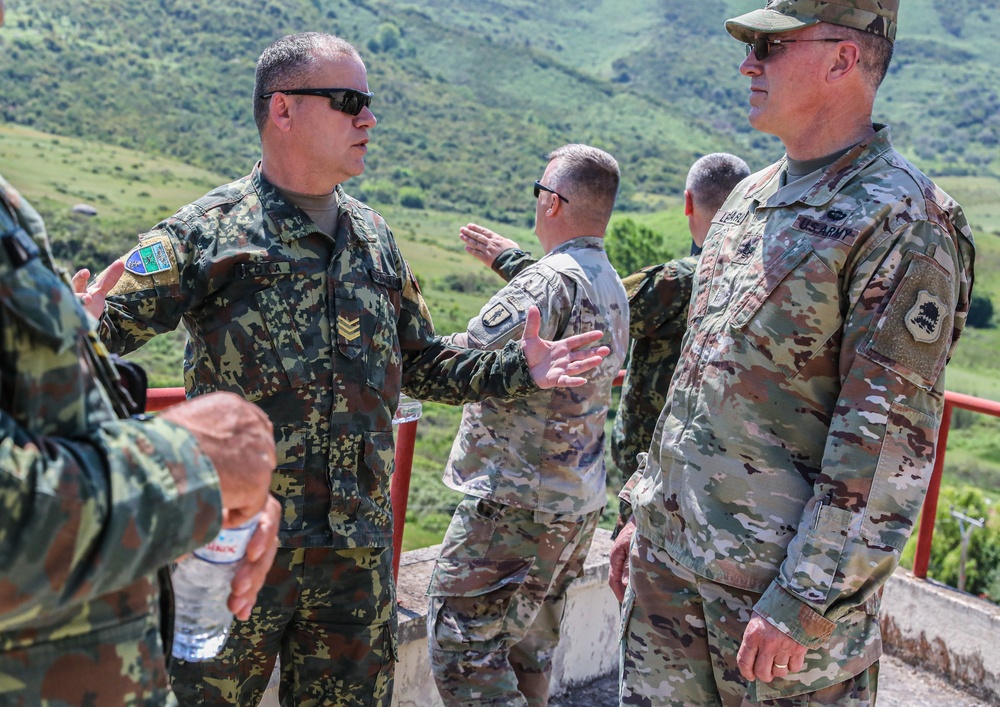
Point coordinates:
[(346, 100), (539, 188), (761, 46)]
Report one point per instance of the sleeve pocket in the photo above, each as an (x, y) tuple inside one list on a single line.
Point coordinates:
[(904, 468), (816, 571)]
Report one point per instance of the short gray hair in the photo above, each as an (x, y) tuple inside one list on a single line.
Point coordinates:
[(289, 61), (711, 178), (588, 177), (876, 51)]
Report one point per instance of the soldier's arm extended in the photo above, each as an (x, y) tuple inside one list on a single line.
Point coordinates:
[(500, 254), (82, 517), (658, 298), (434, 369), (907, 304)]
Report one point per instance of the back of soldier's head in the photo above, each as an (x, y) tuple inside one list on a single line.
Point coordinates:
[(591, 176), (712, 177)]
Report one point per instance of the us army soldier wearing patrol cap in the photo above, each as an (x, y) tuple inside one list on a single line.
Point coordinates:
[(792, 457)]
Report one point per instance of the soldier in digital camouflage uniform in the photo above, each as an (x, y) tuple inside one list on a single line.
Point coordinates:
[(296, 296), (92, 505), (532, 469), (792, 457), (658, 304)]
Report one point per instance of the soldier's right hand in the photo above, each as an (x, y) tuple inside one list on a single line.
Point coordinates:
[(93, 296), (483, 243), (239, 439)]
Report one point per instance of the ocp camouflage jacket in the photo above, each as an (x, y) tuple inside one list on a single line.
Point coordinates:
[(796, 446)]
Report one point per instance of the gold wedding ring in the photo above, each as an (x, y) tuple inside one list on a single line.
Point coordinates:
[(781, 667)]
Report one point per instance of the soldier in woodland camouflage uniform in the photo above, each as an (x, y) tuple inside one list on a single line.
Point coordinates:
[(658, 304), (792, 457), (532, 469), (92, 505), (296, 296)]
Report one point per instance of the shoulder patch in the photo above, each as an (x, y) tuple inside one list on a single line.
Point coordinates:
[(925, 318), (147, 259), (497, 315)]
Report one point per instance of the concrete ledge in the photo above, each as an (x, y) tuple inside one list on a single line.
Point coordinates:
[(588, 648), (940, 629)]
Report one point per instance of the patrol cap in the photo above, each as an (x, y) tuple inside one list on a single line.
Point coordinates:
[(875, 16)]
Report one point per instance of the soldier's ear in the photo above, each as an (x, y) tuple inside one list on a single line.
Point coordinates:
[(280, 111)]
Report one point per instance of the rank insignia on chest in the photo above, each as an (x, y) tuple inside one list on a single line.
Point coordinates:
[(349, 329), (497, 315), (147, 260), (924, 319)]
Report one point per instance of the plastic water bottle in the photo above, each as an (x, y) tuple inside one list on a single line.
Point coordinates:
[(201, 588)]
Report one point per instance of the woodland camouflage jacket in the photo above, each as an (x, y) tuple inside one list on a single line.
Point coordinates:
[(319, 331), (90, 505)]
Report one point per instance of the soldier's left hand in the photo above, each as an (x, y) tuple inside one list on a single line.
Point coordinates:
[(260, 554), (559, 363), (768, 653)]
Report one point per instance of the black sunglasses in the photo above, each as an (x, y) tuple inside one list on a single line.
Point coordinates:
[(761, 46), (346, 100), (539, 188)]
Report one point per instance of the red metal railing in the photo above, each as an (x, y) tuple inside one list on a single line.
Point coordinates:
[(159, 398), (922, 556)]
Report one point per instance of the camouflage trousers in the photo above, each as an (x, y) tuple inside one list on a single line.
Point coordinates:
[(329, 613), (680, 634), (496, 601)]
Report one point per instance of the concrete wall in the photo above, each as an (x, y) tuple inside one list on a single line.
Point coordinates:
[(945, 631)]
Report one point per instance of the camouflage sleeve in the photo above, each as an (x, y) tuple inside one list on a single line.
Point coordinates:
[(435, 370), (85, 516), (906, 305), (26, 215), (160, 284), (658, 298), (511, 263)]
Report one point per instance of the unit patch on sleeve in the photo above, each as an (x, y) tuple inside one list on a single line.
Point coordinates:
[(497, 315), (925, 317), (148, 259)]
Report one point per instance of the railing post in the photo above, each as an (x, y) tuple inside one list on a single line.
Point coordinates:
[(399, 492), (922, 555)]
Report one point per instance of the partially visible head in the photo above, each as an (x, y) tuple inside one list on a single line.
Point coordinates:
[(709, 182), (293, 62), (588, 178), (871, 24)]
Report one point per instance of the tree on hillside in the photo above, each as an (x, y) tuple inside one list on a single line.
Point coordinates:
[(631, 246), (981, 312)]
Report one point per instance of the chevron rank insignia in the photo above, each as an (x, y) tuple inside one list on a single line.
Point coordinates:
[(349, 329), (147, 260), (924, 319)]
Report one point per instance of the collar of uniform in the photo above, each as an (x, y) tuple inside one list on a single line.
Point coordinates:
[(831, 180), (361, 230), (290, 222), (579, 242)]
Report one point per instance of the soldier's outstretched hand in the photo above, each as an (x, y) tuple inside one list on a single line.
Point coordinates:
[(559, 363), (483, 243), (92, 297)]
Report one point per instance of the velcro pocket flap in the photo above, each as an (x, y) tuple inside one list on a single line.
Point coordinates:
[(464, 577)]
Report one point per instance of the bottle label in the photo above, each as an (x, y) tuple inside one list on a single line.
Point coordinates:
[(229, 546)]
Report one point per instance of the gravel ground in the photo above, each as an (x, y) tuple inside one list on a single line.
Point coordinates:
[(900, 685)]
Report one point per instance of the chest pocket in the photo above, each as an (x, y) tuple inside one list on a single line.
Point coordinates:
[(257, 351), (792, 308), (365, 323)]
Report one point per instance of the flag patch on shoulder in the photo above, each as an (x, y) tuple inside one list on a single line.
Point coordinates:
[(148, 259)]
